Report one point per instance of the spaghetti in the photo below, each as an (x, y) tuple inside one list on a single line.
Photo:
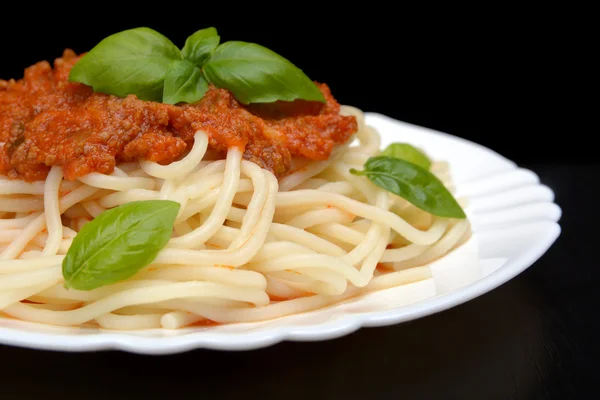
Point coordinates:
[(245, 245)]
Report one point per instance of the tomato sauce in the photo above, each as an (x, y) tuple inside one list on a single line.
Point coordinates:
[(45, 120)]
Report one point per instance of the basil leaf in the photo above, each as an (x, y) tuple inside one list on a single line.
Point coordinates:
[(199, 46), (134, 61), (118, 243), (413, 183), (406, 152), (255, 74), (184, 83)]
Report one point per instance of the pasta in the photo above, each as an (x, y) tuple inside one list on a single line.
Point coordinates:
[(245, 247), (220, 185)]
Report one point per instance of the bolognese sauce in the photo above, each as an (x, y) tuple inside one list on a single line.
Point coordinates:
[(45, 120)]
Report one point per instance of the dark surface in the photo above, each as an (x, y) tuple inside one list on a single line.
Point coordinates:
[(532, 338)]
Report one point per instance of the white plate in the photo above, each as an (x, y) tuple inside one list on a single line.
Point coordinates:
[(514, 220)]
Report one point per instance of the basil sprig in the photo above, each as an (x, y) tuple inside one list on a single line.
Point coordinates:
[(118, 243), (145, 63), (200, 45), (184, 83), (412, 182)]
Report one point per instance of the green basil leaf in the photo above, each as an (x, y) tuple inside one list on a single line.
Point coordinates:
[(134, 61), (406, 152), (413, 183), (199, 46), (255, 74), (184, 83), (118, 243)]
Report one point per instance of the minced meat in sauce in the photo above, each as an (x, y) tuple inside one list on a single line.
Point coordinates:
[(45, 120)]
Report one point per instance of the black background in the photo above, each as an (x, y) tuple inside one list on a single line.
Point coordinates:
[(503, 78)]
